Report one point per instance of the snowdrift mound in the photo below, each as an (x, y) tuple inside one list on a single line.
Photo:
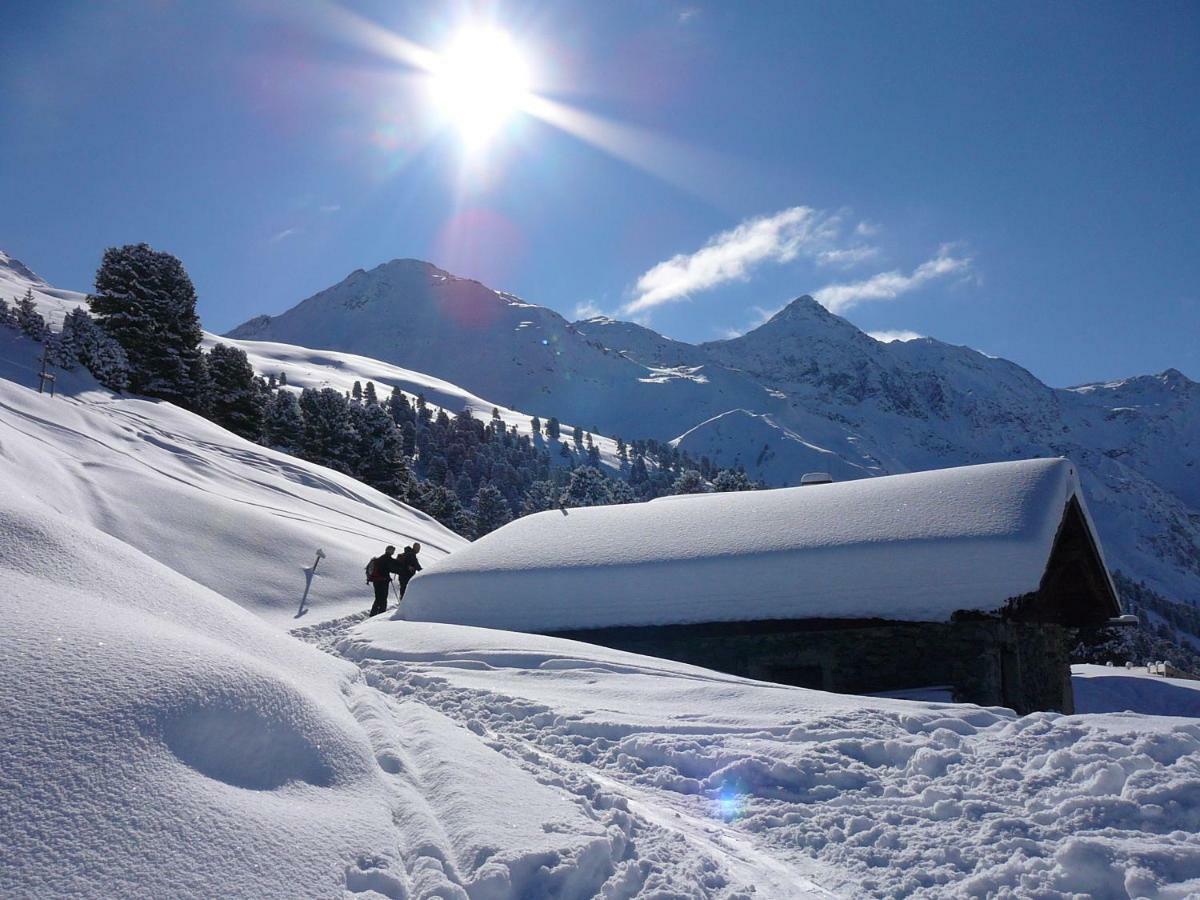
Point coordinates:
[(160, 741), (859, 549), (236, 517)]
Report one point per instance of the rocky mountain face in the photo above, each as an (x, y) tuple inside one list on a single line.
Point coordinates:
[(804, 391)]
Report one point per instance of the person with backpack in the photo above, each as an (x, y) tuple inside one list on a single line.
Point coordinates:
[(379, 574), (407, 566)]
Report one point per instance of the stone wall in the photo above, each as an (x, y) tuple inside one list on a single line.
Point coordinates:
[(985, 661)]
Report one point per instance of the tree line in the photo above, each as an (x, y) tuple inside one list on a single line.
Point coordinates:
[(472, 475)]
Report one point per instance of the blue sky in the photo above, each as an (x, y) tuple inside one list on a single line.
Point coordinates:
[(1018, 177)]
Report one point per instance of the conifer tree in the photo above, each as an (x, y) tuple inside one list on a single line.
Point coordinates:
[(356, 393), (8, 318), (282, 378), (237, 399), (491, 509), (283, 423), (369, 395), (535, 425), (553, 429), (29, 320), (587, 487), (732, 480), (145, 300), (690, 481)]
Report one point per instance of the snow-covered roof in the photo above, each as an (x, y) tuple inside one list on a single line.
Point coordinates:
[(914, 547)]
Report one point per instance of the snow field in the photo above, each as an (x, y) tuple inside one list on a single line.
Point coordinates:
[(860, 796)]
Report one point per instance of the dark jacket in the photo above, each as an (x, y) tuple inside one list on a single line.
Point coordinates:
[(407, 564)]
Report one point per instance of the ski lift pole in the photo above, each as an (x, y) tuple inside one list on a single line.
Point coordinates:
[(45, 376)]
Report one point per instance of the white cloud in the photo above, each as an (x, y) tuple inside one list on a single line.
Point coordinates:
[(286, 233), (587, 310), (867, 229), (886, 337), (330, 207), (731, 255), (847, 257), (838, 298), (687, 14)]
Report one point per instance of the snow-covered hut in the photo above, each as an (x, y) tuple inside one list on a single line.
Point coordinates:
[(972, 579)]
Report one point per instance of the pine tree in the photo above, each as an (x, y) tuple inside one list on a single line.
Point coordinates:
[(236, 398), (540, 496), (29, 320), (329, 435), (283, 423), (491, 509), (553, 429), (587, 487), (8, 318), (369, 395), (145, 300), (577, 437), (356, 392), (535, 425), (732, 480), (689, 481), (272, 382), (593, 455), (282, 378), (381, 453)]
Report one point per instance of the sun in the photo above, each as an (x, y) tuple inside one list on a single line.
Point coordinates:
[(479, 82)]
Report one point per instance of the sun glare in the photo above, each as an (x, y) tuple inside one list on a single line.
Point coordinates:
[(479, 82)]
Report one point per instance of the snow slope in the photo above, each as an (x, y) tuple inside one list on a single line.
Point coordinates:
[(872, 548), (231, 515)]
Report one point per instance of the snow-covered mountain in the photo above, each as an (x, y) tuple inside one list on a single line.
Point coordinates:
[(805, 390)]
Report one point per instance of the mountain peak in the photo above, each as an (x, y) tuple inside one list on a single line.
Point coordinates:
[(19, 268)]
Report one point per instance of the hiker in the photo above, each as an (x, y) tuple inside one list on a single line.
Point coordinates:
[(379, 574), (407, 566)]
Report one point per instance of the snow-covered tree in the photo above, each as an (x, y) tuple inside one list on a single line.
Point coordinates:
[(95, 350), (29, 320), (146, 301), (283, 423), (732, 480), (587, 487), (535, 425), (539, 497), (237, 399), (356, 393), (380, 454), (689, 481), (593, 455), (553, 429), (8, 319), (369, 395), (491, 509), (329, 435)]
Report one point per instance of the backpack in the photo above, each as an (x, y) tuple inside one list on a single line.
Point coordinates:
[(371, 569)]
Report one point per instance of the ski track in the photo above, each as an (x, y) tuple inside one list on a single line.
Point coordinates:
[(680, 849)]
